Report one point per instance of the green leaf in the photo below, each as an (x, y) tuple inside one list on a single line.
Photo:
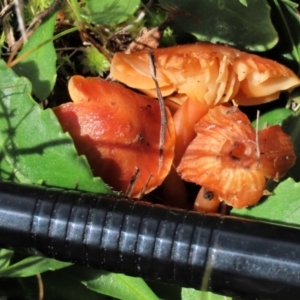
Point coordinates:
[(5, 256), (283, 206), (273, 117), (110, 12), (191, 294), (286, 20), (31, 266), (244, 2), (121, 287), (33, 148), (226, 21), (40, 66)]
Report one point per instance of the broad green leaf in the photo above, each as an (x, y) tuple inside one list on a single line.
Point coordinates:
[(110, 12), (191, 294), (283, 206), (40, 66), (5, 256), (121, 287), (226, 21), (273, 117), (31, 266), (33, 148)]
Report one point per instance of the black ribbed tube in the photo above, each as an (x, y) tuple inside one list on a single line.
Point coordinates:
[(222, 254)]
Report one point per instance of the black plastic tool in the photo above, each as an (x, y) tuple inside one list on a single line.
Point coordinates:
[(222, 254)]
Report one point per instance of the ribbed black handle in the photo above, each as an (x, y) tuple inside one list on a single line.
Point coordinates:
[(221, 254), (136, 238)]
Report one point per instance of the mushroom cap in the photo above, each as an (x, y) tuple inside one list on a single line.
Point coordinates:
[(205, 72), (275, 158), (118, 131), (223, 159)]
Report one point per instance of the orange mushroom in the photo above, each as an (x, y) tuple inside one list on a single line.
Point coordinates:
[(276, 152), (118, 131), (207, 75), (205, 72), (224, 156), (207, 201)]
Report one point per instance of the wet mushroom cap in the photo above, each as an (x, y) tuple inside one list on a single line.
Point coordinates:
[(226, 159), (205, 72), (118, 131), (223, 159), (275, 158)]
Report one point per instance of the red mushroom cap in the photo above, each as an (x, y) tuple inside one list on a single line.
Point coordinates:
[(118, 131), (223, 159)]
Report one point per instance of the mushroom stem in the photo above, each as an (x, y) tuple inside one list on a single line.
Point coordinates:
[(185, 118)]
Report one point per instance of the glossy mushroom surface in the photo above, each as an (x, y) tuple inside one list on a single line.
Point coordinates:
[(205, 72), (224, 157), (196, 77), (118, 131)]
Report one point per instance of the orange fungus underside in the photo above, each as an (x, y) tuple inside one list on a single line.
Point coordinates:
[(205, 72), (224, 157)]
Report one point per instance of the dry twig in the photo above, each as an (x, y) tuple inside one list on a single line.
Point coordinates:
[(163, 114), (257, 139)]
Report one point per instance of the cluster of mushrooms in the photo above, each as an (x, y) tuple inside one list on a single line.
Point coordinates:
[(208, 140)]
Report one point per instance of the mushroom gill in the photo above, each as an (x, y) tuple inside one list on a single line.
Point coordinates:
[(205, 72), (224, 157), (196, 77)]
